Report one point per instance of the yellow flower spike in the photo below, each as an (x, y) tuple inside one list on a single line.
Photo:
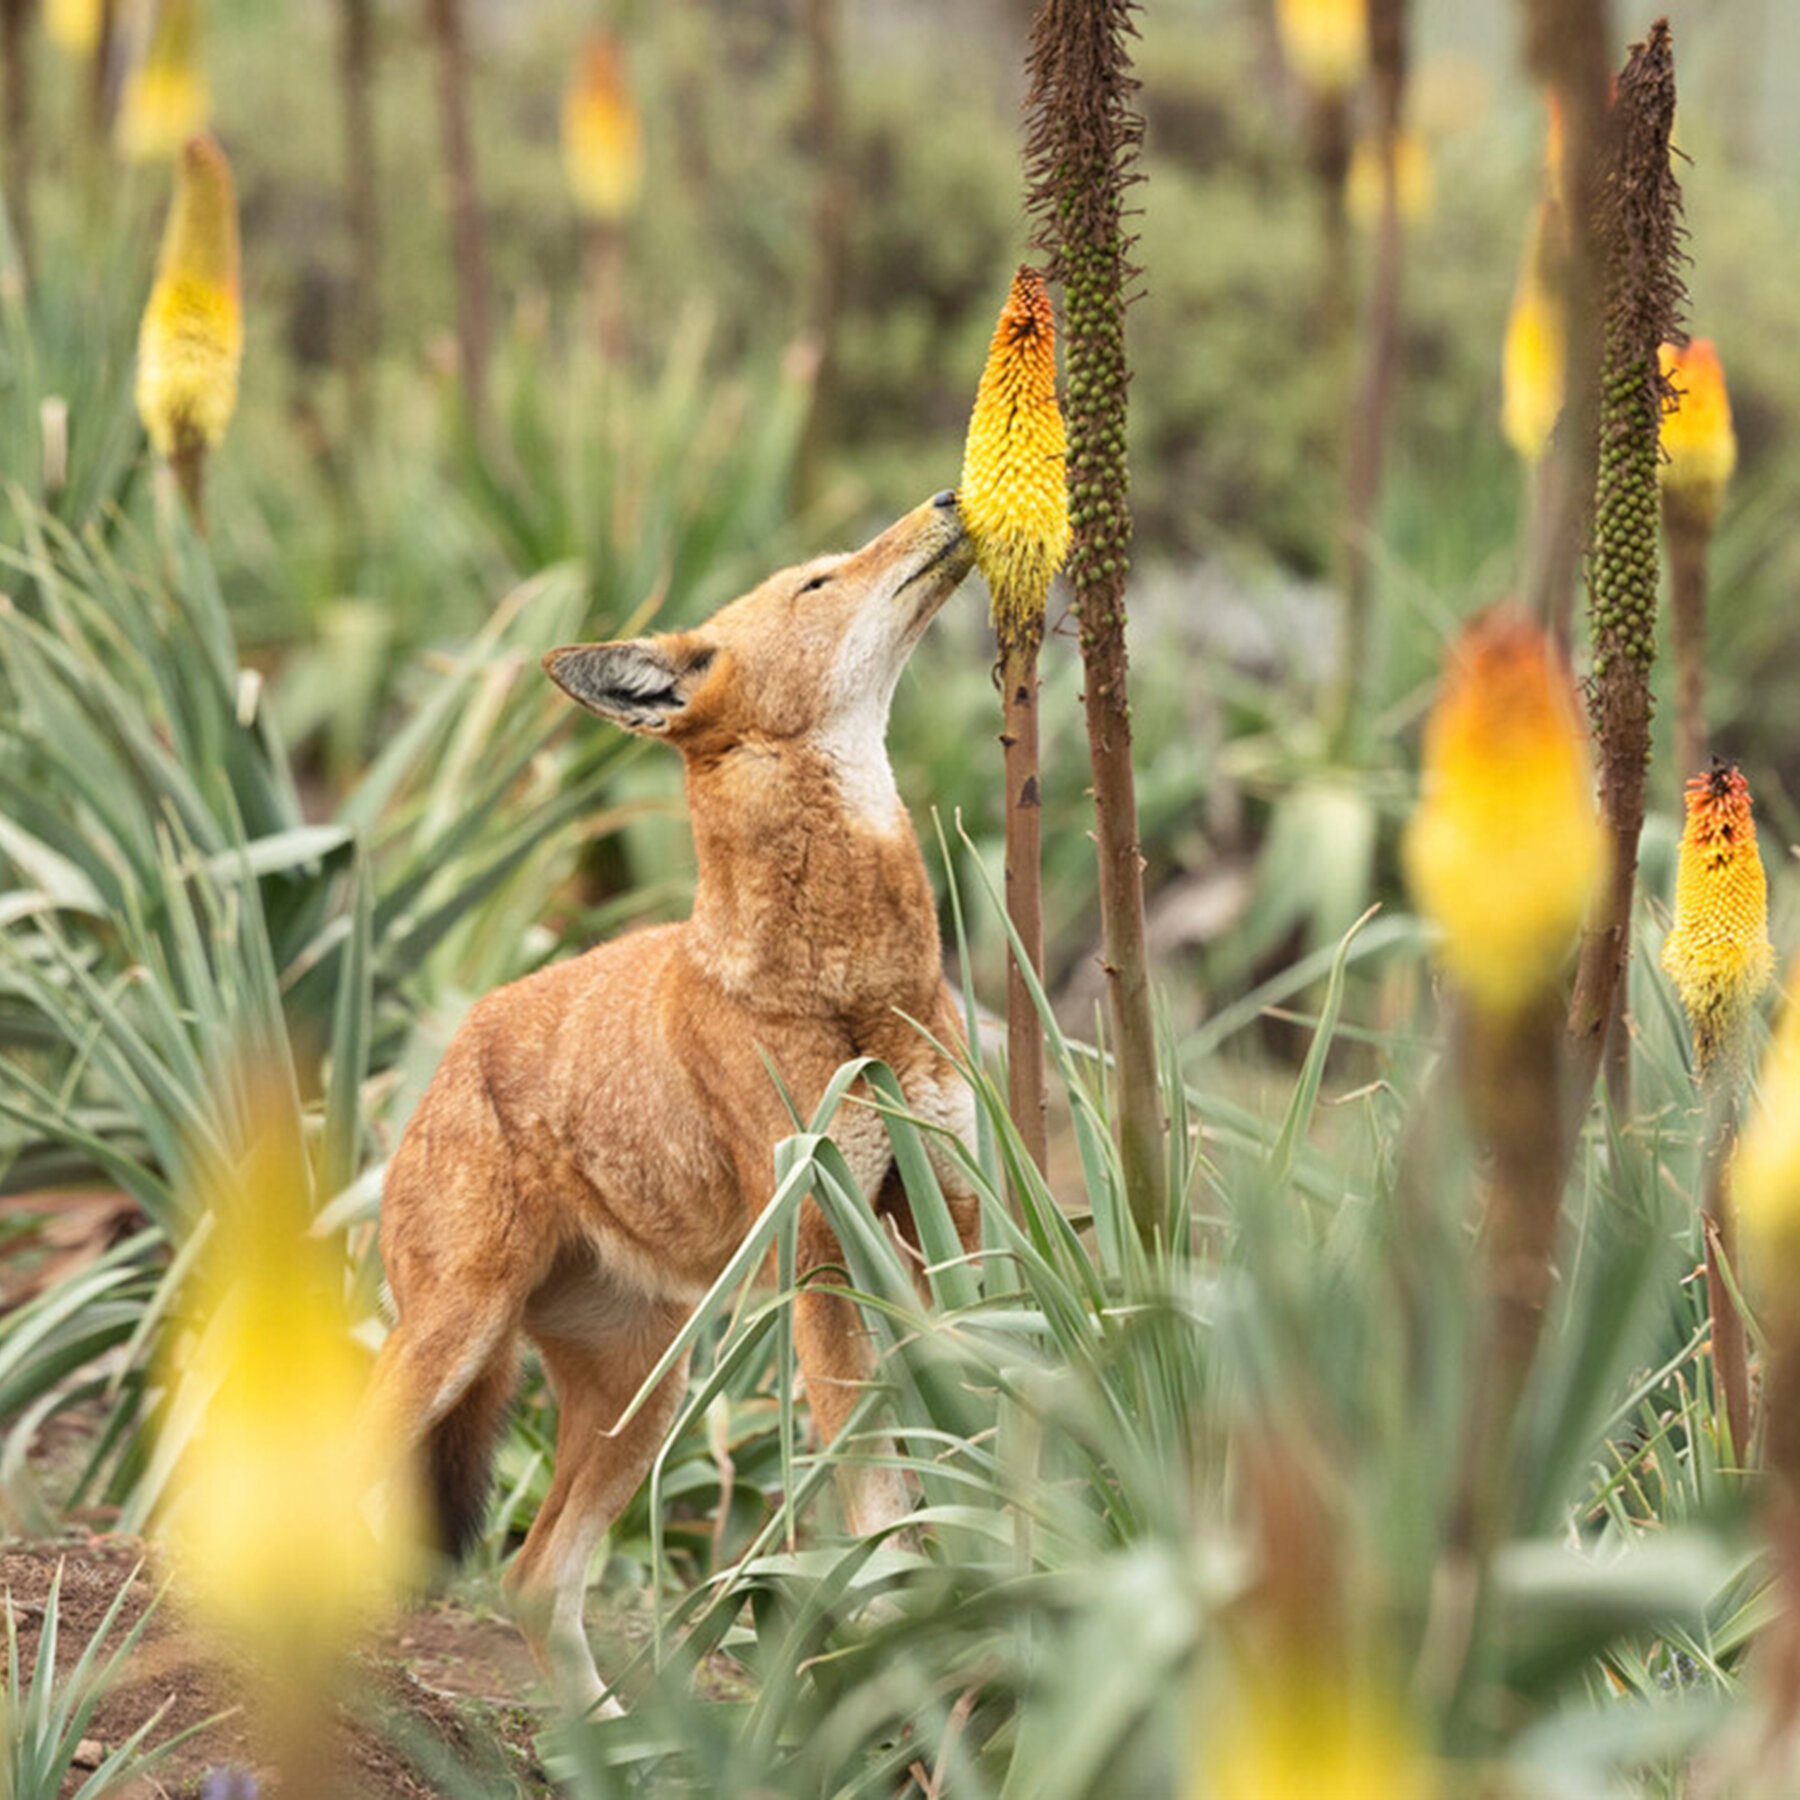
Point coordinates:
[(1718, 954), (1765, 1175), (1699, 444), (1415, 186), (1300, 1736), (73, 26), (1535, 350), (602, 134), (1505, 851), (267, 1518), (165, 100), (192, 337), (1326, 42), (1015, 494)]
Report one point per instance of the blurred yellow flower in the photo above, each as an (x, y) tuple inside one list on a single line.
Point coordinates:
[(1765, 1175), (1505, 851), (1535, 349), (1718, 953), (1301, 1737), (165, 100), (267, 1511), (1699, 444), (1415, 186), (602, 134), (191, 340), (1014, 494), (73, 26), (1326, 42)]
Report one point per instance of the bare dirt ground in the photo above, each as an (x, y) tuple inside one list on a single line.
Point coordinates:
[(443, 1681)]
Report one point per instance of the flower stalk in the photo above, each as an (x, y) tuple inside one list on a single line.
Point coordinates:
[(1639, 228), (1699, 455), (474, 337), (1720, 960), (1504, 856), (1082, 144), (1015, 503)]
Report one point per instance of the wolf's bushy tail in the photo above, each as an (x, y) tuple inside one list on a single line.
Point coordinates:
[(459, 1456)]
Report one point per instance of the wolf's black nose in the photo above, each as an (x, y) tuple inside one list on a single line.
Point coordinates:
[(946, 498)]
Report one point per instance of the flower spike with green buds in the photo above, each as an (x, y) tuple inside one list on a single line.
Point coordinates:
[(191, 341), (1639, 229)]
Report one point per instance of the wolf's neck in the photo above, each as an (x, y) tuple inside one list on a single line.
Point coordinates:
[(804, 903)]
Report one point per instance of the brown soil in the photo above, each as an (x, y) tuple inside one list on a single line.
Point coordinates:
[(446, 1680)]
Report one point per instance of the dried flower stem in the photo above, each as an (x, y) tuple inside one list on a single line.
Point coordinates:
[(473, 335), (1368, 425), (1082, 143), (1639, 229), (1567, 49), (830, 234), (1027, 1094), (362, 219)]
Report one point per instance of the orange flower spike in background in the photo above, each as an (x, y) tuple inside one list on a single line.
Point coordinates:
[(1718, 954), (165, 100), (1699, 444), (1535, 349), (191, 341), (1014, 494), (1326, 42), (1505, 851), (602, 134)]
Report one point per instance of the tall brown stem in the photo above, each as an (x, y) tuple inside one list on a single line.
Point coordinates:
[(1730, 1343), (1568, 49), (356, 68), (1368, 426), (831, 227), (472, 328), (1688, 538), (1639, 229), (1026, 1092), (15, 119), (1082, 146)]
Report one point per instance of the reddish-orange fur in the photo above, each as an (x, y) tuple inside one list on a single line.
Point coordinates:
[(600, 1135)]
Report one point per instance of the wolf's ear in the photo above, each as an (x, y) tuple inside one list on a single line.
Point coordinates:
[(641, 683)]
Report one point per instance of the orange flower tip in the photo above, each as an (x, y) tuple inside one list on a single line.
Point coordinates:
[(1505, 851), (1014, 490), (602, 134), (1718, 953), (1698, 442), (1326, 42)]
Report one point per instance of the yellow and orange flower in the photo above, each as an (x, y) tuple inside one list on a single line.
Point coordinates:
[(1699, 444), (1015, 494), (191, 341), (1505, 851), (166, 100), (1297, 1735), (1415, 187), (267, 1515), (1765, 1174), (73, 26), (1718, 954), (1535, 351), (1326, 42), (602, 134)]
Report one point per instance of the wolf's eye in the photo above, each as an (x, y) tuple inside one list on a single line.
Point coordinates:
[(817, 582)]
